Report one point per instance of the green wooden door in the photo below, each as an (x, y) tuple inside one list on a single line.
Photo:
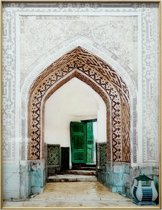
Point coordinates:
[(78, 142), (90, 142)]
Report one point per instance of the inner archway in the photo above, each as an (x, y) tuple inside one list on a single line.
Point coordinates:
[(74, 102), (80, 62), (104, 80)]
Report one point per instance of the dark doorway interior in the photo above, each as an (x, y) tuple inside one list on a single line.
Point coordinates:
[(64, 158)]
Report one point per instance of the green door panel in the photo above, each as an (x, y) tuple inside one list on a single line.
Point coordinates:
[(78, 142), (90, 142), (82, 142)]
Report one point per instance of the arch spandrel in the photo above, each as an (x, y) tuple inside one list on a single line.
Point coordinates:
[(105, 78)]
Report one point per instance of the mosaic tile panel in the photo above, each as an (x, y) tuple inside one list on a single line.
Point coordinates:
[(53, 161), (53, 155), (101, 155)]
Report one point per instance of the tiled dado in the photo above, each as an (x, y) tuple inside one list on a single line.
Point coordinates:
[(119, 176), (37, 176)]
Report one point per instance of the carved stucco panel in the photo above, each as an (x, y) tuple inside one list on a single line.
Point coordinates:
[(148, 34), (8, 82), (102, 30)]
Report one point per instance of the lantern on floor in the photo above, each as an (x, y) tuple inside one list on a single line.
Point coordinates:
[(144, 191)]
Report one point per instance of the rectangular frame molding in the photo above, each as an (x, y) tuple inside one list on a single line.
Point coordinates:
[(160, 100)]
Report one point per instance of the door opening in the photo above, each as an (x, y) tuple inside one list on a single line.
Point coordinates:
[(82, 143)]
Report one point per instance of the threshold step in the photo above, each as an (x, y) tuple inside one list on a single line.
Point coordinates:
[(80, 172), (89, 168), (71, 178)]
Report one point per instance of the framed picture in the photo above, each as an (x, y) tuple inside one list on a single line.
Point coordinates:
[(81, 90)]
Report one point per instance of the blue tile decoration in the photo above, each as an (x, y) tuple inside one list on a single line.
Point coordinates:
[(36, 176)]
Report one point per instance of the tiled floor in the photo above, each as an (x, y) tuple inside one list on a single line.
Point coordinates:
[(74, 194)]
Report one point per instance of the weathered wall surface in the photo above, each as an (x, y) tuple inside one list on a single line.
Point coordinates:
[(124, 35)]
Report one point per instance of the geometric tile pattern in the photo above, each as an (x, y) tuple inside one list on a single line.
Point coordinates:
[(53, 155), (101, 154), (86, 65)]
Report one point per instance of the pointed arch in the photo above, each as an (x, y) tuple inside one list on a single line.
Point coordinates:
[(101, 77)]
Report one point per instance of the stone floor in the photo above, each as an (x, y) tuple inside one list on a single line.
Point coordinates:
[(74, 194)]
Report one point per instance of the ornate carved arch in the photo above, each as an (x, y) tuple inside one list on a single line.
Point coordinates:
[(99, 75)]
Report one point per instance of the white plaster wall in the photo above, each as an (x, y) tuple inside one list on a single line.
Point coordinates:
[(74, 101)]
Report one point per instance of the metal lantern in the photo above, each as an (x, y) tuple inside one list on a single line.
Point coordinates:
[(144, 191)]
